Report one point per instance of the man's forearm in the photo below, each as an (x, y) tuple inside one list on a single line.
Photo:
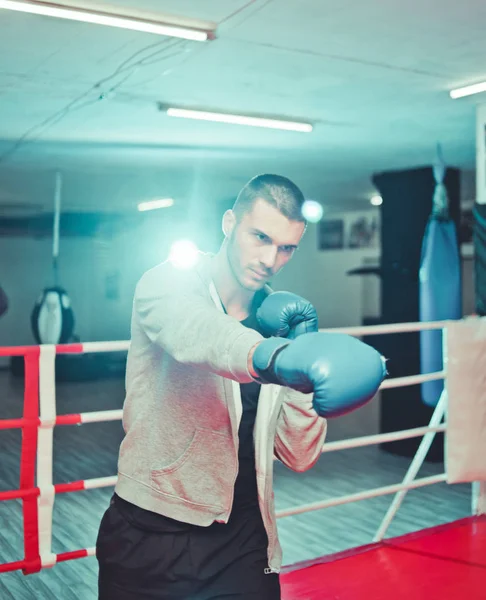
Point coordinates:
[(251, 369)]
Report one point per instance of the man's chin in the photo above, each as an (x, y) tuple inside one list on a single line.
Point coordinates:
[(252, 285), (255, 286)]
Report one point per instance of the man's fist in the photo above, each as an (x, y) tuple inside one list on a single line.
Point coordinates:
[(342, 372), (283, 314)]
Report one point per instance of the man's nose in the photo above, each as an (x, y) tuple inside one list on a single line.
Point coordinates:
[(269, 257)]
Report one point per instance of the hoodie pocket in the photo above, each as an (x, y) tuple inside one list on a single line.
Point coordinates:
[(204, 472)]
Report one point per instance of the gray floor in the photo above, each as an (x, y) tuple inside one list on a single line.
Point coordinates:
[(91, 451)]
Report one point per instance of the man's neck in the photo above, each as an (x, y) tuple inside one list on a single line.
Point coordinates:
[(236, 300)]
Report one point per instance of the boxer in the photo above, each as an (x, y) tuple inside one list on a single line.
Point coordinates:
[(223, 375)]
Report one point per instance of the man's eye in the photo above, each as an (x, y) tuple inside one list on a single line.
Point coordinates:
[(260, 236)]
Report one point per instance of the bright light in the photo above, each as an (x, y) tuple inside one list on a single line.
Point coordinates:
[(154, 204), (74, 13), (312, 211), (468, 90), (184, 254), (239, 120), (376, 200)]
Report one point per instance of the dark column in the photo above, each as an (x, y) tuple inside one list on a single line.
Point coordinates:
[(407, 203), (480, 258)]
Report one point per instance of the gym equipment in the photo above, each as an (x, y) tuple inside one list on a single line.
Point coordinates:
[(52, 318), (440, 293)]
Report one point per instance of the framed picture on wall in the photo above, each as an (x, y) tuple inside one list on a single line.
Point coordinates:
[(331, 234), (363, 232)]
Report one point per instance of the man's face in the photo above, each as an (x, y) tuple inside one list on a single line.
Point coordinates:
[(261, 244)]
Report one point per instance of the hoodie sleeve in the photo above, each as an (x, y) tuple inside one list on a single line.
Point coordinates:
[(175, 311), (300, 433)]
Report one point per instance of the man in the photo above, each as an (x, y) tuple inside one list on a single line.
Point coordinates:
[(219, 376)]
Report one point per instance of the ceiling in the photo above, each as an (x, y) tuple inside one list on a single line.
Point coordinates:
[(372, 76)]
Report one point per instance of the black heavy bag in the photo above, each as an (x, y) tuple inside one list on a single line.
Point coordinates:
[(52, 318)]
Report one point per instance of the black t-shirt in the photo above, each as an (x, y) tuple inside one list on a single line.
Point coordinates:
[(245, 491)]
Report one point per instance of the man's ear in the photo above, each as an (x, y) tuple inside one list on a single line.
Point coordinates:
[(229, 222)]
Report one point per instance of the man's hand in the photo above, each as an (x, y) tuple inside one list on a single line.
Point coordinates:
[(342, 372), (284, 314)]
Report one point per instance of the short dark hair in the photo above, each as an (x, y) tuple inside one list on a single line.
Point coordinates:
[(274, 189)]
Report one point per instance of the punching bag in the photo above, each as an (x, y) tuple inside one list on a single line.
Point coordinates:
[(52, 318), (439, 284)]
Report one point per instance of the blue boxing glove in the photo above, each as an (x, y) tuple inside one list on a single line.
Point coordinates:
[(284, 314), (342, 372)]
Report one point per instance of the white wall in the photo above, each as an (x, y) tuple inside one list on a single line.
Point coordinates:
[(88, 265), (85, 264), (321, 276), (28, 271)]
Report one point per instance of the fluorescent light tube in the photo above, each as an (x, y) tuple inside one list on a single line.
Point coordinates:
[(239, 119), (468, 90), (154, 204), (105, 18)]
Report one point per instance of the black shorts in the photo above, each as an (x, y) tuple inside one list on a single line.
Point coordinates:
[(143, 556)]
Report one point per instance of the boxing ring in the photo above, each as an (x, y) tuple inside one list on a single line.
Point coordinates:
[(443, 561)]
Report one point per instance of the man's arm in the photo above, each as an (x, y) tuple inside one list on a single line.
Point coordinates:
[(250, 366), (173, 310), (300, 431)]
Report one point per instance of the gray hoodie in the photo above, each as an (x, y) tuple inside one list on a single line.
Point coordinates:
[(182, 409)]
